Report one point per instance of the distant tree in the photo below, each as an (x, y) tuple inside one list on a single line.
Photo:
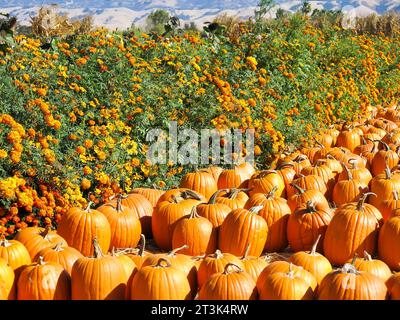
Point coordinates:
[(190, 26), (264, 7), (282, 13), (156, 21)]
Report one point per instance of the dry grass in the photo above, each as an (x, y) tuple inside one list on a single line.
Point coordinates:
[(232, 25), (387, 24), (49, 22)]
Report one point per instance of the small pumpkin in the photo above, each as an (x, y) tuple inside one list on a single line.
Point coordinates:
[(44, 281), (347, 283), (15, 253), (213, 211), (265, 181), (195, 231), (232, 284), (160, 281), (312, 261), (233, 198), (373, 266)]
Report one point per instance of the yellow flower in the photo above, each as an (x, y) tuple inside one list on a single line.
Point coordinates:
[(3, 154)]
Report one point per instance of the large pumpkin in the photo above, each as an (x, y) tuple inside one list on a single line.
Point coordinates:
[(197, 232), (15, 253), (306, 224), (383, 186), (63, 255), (80, 226), (124, 224), (393, 285), (232, 284), (233, 198), (348, 283), (215, 263), (100, 277), (265, 181), (373, 266), (7, 276), (311, 182), (200, 181), (213, 211), (353, 229), (240, 228), (276, 213), (313, 262), (35, 239), (160, 281), (230, 178), (44, 281), (166, 215), (384, 158), (301, 196), (389, 240)]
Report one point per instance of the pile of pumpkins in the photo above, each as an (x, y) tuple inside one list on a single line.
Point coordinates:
[(330, 213)]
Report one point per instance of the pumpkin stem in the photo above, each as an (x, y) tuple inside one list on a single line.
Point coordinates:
[(97, 250), (348, 172), (231, 266), (119, 203), (367, 256), (215, 196), (4, 242), (87, 209), (310, 206), (246, 252), (45, 232), (319, 143), (233, 193), (264, 173), (388, 173), (142, 245), (190, 194), (160, 261), (271, 194), (384, 144), (353, 162), (285, 164), (193, 214), (298, 188), (349, 268), (218, 254), (315, 245), (395, 195), (255, 209), (59, 246), (360, 204), (197, 258), (173, 252), (174, 199), (41, 261), (300, 158)]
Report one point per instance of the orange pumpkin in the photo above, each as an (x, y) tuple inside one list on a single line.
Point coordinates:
[(393, 285), (230, 178), (233, 198), (15, 253), (7, 277), (353, 229), (241, 227), (253, 265), (79, 227), (373, 266), (195, 231), (265, 181), (383, 186), (384, 158), (311, 182), (200, 181), (140, 255), (232, 284), (389, 237), (101, 277), (302, 196), (347, 283), (306, 224), (44, 281), (349, 139), (160, 281), (151, 194), (35, 239), (124, 224), (213, 211)]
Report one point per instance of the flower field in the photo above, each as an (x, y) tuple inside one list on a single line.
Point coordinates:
[(73, 123)]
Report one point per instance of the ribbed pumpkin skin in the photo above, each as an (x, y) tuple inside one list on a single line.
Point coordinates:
[(285, 267), (7, 276), (254, 266), (215, 213), (79, 227), (240, 228), (228, 179), (130, 269), (215, 263), (306, 224), (311, 182), (235, 285), (143, 210), (101, 278), (215, 172), (165, 216), (201, 182), (276, 213), (373, 266), (383, 186), (389, 237), (124, 225), (351, 231), (179, 261), (265, 181), (47, 281), (233, 199), (65, 256), (15, 253), (393, 285), (196, 232), (348, 139), (300, 198), (35, 239), (160, 283), (361, 174), (382, 159), (346, 191), (283, 286), (153, 195), (349, 286)]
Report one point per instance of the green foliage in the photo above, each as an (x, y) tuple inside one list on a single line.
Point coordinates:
[(156, 21)]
